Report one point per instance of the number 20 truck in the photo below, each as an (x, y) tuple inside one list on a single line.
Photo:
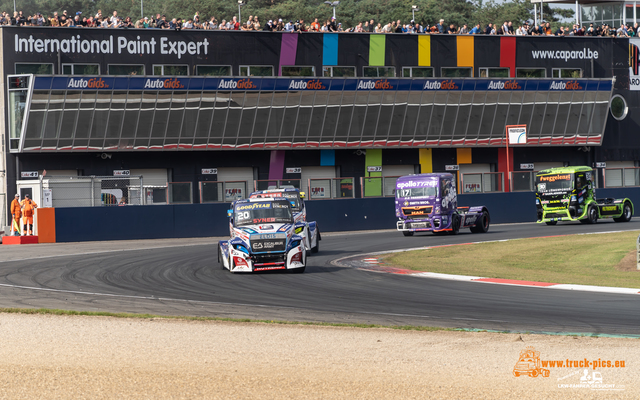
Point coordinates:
[(429, 202)]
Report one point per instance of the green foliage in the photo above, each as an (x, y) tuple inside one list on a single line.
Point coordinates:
[(349, 12)]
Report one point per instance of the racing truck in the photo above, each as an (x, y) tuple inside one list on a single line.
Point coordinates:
[(569, 194), (529, 364), (429, 202), (309, 230), (263, 237)]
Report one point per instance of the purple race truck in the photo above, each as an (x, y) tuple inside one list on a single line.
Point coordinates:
[(429, 202)]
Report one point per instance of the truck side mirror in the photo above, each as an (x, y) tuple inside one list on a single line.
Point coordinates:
[(229, 213)]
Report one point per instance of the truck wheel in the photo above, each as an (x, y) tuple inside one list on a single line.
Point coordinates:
[(545, 373), (626, 213), (534, 373), (220, 258), (592, 215), (516, 373), (482, 224), (407, 233), (316, 248), (455, 225), (551, 222)]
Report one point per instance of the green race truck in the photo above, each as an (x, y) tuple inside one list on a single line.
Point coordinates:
[(569, 194)]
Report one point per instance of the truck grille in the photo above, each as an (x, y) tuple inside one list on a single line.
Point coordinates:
[(264, 245), (556, 215), (420, 210)]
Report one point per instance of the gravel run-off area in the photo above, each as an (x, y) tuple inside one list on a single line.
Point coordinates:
[(48, 356)]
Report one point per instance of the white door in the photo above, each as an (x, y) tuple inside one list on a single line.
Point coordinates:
[(238, 182), (321, 180)]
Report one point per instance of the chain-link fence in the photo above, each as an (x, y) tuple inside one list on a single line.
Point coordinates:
[(94, 191)]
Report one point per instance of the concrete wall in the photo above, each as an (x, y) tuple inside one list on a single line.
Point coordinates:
[(203, 220)]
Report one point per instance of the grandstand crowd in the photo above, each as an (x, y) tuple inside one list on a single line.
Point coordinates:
[(331, 25)]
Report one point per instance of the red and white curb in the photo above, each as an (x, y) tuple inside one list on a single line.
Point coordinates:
[(371, 263)]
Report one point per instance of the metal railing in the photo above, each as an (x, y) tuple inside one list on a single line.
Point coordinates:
[(621, 177), (522, 181), (267, 184), (330, 188), (3, 212), (482, 182), (222, 192), (378, 186), (93, 191)]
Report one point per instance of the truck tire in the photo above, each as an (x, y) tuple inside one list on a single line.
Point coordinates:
[(626, 213), (482, 224), (220, 258), (455, 225), (592, 215), (316, 248), (407, 233), (534, 373), (551, 222)]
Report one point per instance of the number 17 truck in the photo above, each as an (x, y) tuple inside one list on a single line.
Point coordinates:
[(429, 203)]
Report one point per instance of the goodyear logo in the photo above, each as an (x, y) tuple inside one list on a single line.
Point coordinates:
[(237, 84), (447, 84), (569, 85), (253, 206), (93, 83), (313, 84), (377, 84), (163, 84), (553, 178), (507, 85)]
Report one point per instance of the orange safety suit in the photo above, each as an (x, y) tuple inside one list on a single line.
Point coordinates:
[(28, 208), (16, 212)]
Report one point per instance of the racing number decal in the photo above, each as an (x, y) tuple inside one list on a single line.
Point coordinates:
[(243, 215)]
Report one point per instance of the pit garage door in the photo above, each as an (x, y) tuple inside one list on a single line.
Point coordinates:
[(472, 178), (238, 182), (390, 174), (616, 170), (320, 181)]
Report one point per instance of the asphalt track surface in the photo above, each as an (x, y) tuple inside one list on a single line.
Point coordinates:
[(184, 278)]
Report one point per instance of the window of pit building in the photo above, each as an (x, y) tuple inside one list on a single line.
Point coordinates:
[(171, 70), (298, 71), (566, 73), (256, 70), (125, 69), (338, 72), (34, 68), (80, 69), (417, 72), (379, 72), (494, 72), (213, 70), (531, 73), (456, 72)]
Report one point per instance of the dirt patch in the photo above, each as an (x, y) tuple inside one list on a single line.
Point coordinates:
[(628, 263)]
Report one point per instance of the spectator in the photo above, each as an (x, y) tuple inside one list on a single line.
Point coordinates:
[(315, 26), (464, 30), (488, 29), (188, 24), (256, 23), (378, 28), (333, 27), (289, 27), (476, 30), (440, 26), (451, 30), (371, 26), (398, 27), (559, 31)]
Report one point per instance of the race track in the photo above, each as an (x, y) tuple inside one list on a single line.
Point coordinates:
[(186, 280)]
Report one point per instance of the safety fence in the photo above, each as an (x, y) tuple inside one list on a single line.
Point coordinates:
[(92, 191)]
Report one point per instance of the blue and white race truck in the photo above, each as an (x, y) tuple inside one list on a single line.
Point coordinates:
[(308, 229), (263, 237)]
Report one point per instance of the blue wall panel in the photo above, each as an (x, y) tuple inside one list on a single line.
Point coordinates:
[(205, 220)]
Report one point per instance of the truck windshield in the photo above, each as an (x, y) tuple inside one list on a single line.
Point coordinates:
[(293, 197), (261, 212), (417, 192), (554, 183)]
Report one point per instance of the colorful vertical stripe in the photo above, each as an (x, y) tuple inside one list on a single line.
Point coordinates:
[(288, 50), (330, 49), (508, 54), (373, 187), (377, 44), (424, 51), (463, 155), (465, 51), (426, 160), (276, 164)]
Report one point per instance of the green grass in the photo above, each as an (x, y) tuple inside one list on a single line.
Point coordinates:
[(576, 259)]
